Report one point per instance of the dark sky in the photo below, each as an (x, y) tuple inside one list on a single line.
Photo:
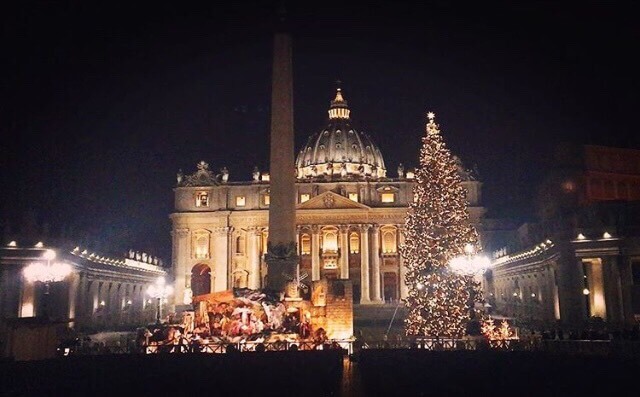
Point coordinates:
[(101, 104)]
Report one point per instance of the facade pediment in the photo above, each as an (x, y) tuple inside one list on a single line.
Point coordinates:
[(331, 200)]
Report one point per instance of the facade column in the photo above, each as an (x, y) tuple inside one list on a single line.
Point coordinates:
[(75, 298), (315, 253), (612, 289), (364, 264), (253, 239), (220, 258), (375, 264), (344, 252), (626, 288), (180, 257), (230, 251), (404, 290)]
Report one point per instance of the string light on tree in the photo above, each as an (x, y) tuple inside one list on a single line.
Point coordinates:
[(437, 229)]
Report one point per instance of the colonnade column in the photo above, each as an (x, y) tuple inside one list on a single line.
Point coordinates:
[(612, 289), (375, 264), (75, 304), (315, 253), (626, 288), (253, 236), (364, 264), (404, 291), (344, 252)]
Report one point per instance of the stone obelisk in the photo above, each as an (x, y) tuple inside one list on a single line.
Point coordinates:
[(281, 257)]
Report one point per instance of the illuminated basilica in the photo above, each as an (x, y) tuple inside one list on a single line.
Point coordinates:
[(349, 218)]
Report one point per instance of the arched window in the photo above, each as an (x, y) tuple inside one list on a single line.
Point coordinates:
[(240, 245), (200, 279), (330, 241), (388, 241), (354, 243), (201, 245), (305, 244)]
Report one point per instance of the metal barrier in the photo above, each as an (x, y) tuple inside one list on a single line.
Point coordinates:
[(211, 347), (589, 347)]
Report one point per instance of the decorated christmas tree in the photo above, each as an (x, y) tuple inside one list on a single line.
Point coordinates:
[(439, 301)]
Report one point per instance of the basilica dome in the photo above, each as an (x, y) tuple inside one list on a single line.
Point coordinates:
[(339, 151)]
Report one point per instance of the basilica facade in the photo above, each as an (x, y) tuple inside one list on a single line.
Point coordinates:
[(349, 218)]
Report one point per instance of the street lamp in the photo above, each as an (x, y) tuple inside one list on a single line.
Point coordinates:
[(470, 265), (159, 291), (47, 273)]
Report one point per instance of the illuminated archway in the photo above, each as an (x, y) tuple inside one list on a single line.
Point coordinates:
[(201, 279)]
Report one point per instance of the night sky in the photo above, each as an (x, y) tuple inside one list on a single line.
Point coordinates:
[(103, 102)]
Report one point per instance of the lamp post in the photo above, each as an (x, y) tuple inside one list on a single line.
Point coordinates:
[(159, 291), (470, 265), (47, 273)]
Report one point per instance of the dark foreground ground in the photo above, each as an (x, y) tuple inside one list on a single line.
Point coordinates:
[(386, 372), (495, 373), (283, 373)]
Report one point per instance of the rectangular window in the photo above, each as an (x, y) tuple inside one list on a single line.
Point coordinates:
[(388, 197), (202, 199), (303, 198), (241, 201), (266, 199), (353, 196)]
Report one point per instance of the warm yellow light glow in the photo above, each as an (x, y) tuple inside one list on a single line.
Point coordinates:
[(46, 272), (27, 310), (102, 303), (265, 177), (241, 201), (305, 244), (39, 244), (388, 197), (353, 196), (410, 175), (586, 291), (470, 264), (606, 235), (304, 198), (267, 199), (188, 296), (469, 248), (49, 255), (13, 244), (160, 290), (201, 246), (388, 242), (354, 243), (581, 236), (330, 242)]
